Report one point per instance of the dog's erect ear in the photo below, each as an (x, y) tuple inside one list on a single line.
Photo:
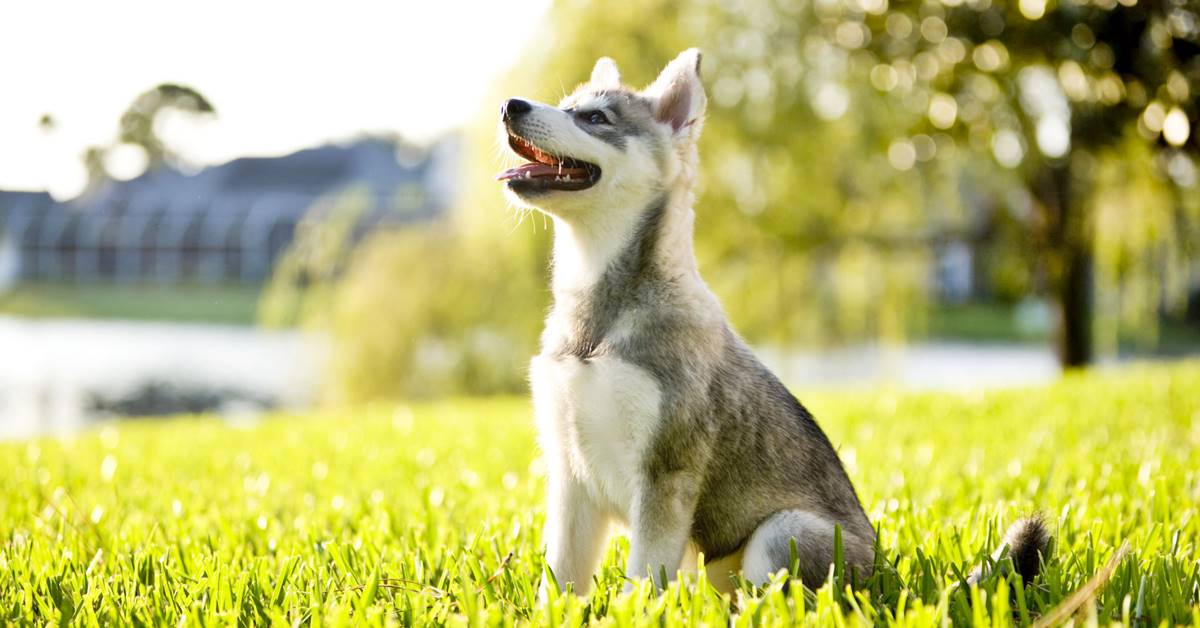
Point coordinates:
[(678, 93), (605, 74)]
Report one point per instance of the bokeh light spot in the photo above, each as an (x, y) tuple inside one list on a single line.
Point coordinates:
[(1176, 127), (943, 110), (902, 155), (1007, 148), (1032, 9)]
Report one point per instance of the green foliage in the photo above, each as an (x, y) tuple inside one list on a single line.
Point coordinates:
[(1063, 94), (1143, 255), (777, 217), (802, 227), (417, 315), (410, 312), (300, 286), (431, 514), (845, 142)]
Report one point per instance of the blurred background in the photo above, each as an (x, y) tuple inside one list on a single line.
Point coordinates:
[(238, 207)]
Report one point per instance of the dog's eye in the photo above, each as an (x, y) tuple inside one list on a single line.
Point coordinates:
[(596, 117)]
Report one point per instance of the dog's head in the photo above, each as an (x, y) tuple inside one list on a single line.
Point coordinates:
[(606, 145)]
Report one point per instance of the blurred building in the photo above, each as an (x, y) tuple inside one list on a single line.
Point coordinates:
[(226, 223)]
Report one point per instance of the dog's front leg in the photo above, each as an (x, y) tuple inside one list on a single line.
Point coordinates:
[(576, 529), (661, 525)]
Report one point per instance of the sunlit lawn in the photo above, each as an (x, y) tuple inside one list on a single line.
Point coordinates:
[(225, 304), (431, 513), (989, 322)]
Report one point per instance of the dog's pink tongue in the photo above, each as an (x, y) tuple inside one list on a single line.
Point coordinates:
[(534, 169)]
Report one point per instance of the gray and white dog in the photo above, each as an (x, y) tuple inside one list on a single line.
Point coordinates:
[(651, 411)]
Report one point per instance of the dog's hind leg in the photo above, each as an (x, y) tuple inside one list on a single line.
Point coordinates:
[(769, 548)]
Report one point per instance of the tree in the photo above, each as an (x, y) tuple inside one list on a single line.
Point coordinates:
[(844, 142), (802, 228), (1049, 90), (784, 205), (137, 125)]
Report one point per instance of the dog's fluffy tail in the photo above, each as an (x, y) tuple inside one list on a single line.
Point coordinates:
[(1026, 542)]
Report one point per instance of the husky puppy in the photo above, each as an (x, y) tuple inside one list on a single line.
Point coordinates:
[(651, 411)]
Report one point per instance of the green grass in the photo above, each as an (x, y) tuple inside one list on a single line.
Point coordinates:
[(992, 322), (430, 514), (979, 322), (227, 304)]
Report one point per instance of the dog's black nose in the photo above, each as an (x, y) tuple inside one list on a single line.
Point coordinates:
[(514, 107)]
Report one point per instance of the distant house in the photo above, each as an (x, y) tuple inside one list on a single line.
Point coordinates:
[(226, 223)]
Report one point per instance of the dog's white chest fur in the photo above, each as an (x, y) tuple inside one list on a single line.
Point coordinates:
[(595, 422)]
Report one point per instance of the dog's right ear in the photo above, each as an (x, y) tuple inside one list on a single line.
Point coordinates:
[(678, 94), (605, 74)]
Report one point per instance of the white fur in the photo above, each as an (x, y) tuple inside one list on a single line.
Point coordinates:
[(679, 86), (594, 421), (627, 175), (596, 418), (605, 74), (630, 178)]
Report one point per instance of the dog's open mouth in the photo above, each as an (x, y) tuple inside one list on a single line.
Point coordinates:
[(545, 171)]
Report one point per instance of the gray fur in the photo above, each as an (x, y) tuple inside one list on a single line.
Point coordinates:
[(728, 460), (630, 280), (814, 538), (734, 442), (629, 116), (1026, 541), (728, 449)]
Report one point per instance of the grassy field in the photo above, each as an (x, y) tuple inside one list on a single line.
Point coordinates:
[(225, 304), (990, 322), (430, 514)]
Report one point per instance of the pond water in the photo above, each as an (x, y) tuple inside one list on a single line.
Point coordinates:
[(58, 375), (945, 366)]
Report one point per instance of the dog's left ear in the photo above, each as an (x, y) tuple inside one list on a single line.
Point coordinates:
[(678, 94), (605, 74)]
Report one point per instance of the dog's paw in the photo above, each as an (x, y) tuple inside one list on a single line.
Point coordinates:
[(543, 594)]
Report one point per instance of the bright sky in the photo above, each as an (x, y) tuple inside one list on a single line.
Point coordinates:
[(282, 75)]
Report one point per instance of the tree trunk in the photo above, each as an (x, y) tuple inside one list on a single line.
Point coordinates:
[(1067, 247), (1075, 314)]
